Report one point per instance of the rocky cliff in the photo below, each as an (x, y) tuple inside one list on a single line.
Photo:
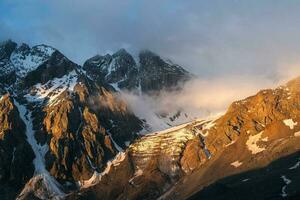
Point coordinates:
[(244, 144)]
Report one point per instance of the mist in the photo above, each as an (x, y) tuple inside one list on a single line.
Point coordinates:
[(203, 98)]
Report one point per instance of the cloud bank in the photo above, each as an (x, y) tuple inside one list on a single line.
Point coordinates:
[(201, 98)]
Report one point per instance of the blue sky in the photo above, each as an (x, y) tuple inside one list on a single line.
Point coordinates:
[(210, 38)]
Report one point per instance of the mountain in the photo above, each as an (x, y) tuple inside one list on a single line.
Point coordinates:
[(67, 133), (250, 152), (149, 74), (73, 125), (58, 120)]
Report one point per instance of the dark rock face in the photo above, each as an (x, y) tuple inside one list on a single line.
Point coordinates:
[(6, 49), (119, 68), (264, 183), (156, 74), (7, 73), (150, 75), (56, 66), (15, 168)]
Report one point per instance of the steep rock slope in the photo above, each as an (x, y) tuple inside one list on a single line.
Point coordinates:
[(157, 74), (7, 71), (179, 162), (148, 75), (150, 166), (13, 148), (254, 132), (73, 125)]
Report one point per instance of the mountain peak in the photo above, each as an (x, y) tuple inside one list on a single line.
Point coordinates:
[(6, 49), (121, 51), (5, 42), (148, 53)]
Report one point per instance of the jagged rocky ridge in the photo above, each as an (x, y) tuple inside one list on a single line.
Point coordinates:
[(146, 76), (179, 162), (67, 122), (149, 74)]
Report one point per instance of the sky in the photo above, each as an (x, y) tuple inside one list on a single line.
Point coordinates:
[(209, 38), (233, 46)]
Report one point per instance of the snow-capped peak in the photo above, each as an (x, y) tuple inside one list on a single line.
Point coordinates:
[(26, 59)]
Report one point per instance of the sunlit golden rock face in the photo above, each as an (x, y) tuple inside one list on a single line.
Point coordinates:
[(13, 146), (251, 134), (76, 127)]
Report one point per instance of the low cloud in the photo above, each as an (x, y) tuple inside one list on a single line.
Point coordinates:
[(201, 97)]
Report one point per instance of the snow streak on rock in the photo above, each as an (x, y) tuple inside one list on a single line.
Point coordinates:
[(41, 177), (236, 164), (53, 88), (96, 178), (287, 182)]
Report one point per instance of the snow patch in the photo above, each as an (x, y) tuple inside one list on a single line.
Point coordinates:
[(207, 124), (97, 177), (266, 139), (229, 144), (127, 143), (137, 173), (42, 186), (297, 134), (53, 88), (32, 60), (297, 165), (252, 143), (236, 164), (114, 142), (290, 123), (287, 182)]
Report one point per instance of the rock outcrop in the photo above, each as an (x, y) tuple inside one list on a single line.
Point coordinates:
[(253, 133), (16, 155), (150, 74)]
